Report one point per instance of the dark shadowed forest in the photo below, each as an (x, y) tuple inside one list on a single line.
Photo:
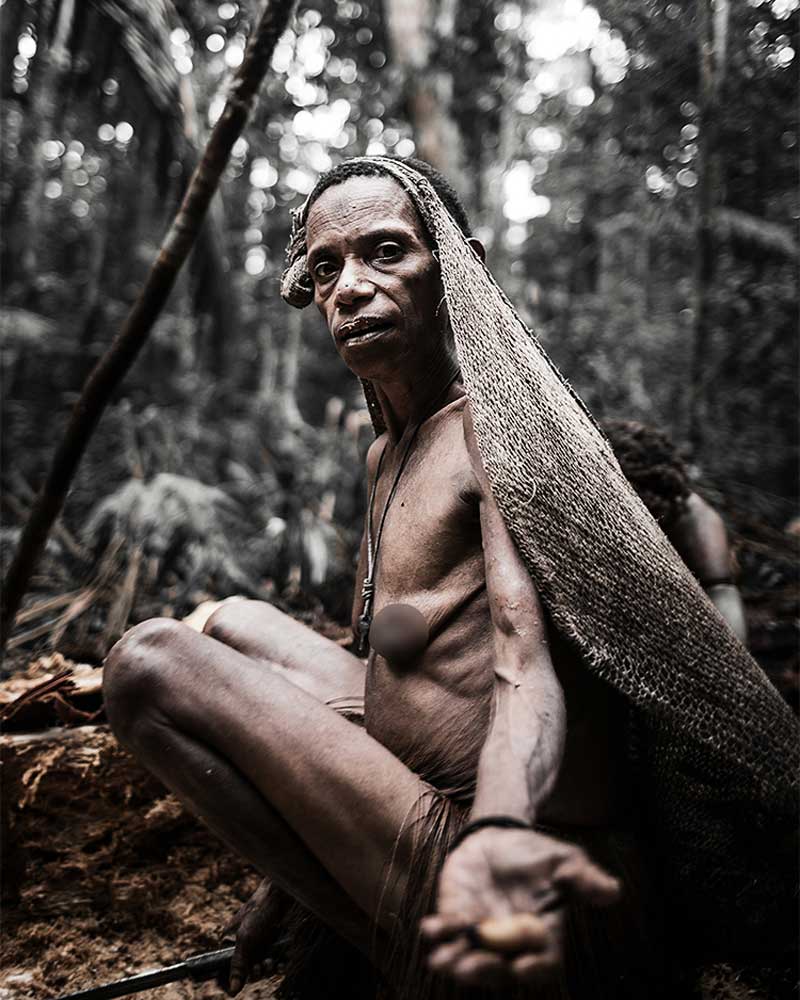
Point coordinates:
[(630, 165)]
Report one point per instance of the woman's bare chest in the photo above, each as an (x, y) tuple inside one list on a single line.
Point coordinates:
[(430, 529)]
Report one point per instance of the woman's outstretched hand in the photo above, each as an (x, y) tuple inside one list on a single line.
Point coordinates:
[(501, 903)]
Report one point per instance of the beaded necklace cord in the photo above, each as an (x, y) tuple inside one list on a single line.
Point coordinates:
[(373, 543), (368, 586)]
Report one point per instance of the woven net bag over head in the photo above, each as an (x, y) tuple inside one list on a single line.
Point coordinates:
[(717, 749)]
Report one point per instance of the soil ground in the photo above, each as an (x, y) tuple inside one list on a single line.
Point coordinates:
[(106, 875)]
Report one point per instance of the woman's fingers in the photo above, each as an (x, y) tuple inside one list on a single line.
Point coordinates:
[(243, 967), (535, 968), (516, 933), (444, 956), (482, 968), (579, 875), (491, 968), (443, 926), (495, 952), (232, 926), (237, 976)]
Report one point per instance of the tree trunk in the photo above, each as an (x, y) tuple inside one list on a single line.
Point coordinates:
[(212, 290), (429, 89), (289, 371), (495, 202), (712, 43), (54, 62), (113, 366), (268, 378)]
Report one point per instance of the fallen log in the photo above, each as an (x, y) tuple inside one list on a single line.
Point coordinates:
[(54, 690)]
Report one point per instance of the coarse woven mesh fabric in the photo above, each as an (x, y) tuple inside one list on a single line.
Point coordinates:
[(717, 749)]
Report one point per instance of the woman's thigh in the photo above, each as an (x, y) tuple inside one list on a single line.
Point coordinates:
[(312, 662)]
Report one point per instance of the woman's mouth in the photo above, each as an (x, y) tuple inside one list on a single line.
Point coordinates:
[(361, 331)]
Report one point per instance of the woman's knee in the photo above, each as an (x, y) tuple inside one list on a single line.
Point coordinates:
[(138, 669), (238, 621)]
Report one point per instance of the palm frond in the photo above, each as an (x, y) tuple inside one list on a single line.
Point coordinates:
[(21, 326), (144, 33), (156, 511), (102, 35), (730, 223), (182, 526)]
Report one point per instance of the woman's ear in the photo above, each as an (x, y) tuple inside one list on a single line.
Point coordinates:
[(478, 248)]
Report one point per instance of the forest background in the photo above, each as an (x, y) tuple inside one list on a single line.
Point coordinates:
[(631, 166), (588, 146)]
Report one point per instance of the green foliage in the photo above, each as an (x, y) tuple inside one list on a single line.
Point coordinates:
[(764, 236), (184, 529), (144, 34), (593, 241), (623, 187)]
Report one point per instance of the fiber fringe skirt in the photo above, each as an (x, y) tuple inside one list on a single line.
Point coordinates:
[(614, 953), (622, 952)]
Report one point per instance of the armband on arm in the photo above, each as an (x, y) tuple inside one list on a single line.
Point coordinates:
[(501, 822)]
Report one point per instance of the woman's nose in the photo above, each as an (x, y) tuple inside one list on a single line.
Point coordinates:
[(353, 285)]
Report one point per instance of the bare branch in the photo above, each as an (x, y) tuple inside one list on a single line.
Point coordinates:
[(113, 366)]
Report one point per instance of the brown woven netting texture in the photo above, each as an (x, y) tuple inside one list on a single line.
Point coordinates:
[(717, 747)]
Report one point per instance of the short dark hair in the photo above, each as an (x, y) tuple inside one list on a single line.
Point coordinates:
[(366, 168), (651, 464)]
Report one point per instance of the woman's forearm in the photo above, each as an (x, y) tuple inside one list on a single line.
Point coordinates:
[(522, 754)]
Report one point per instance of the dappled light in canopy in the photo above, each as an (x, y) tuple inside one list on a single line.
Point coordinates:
[(573, 132)]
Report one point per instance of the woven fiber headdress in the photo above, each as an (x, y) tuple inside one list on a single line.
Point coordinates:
[(717, 747)]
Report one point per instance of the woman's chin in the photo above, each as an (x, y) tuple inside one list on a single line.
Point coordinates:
[(381, 359)]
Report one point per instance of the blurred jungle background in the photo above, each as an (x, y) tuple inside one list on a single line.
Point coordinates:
[(229, 461), (589, 142)]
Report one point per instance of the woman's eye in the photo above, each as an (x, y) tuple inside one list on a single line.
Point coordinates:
[(324, 270), (388, 251)]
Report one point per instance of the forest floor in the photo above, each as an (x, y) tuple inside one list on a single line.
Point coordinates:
[(106, 875)]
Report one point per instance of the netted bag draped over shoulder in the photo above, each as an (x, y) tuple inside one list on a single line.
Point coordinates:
[(718, 748)]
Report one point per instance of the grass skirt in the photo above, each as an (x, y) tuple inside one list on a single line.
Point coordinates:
[(614, 953)]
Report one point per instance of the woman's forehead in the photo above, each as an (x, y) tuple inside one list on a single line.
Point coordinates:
[(360, 201)]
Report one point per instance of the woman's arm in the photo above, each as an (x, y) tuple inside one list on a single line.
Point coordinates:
[(520, 759), (502, 891), (701, 540)]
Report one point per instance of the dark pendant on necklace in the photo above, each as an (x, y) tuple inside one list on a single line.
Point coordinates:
[(399, 634), (362, 634), (365, 618)]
